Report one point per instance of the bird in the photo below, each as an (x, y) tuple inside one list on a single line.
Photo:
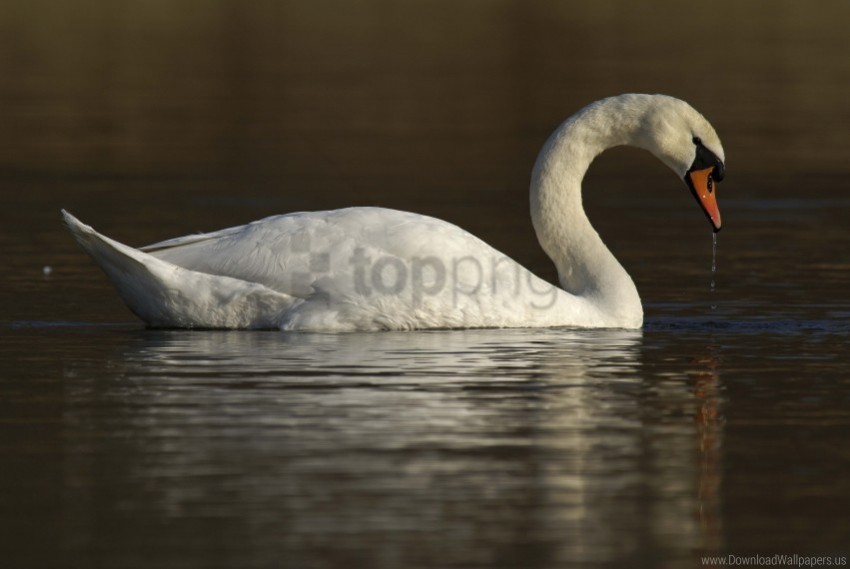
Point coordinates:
[(372, 268)]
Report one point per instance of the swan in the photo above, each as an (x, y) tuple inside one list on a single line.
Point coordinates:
[(369, 268)]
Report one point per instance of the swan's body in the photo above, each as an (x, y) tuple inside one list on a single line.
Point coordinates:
[(375, 269)]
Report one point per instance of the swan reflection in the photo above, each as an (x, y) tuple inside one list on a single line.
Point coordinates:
[(441, 445), (502, 355)]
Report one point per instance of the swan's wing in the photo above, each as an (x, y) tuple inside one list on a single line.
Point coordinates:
[(276, 251), (292, 253), (190, 240), (163, 294)]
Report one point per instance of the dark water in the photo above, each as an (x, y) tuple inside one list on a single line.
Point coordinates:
[(722, 427)]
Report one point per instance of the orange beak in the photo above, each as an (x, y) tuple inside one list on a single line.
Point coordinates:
[(702, 185)]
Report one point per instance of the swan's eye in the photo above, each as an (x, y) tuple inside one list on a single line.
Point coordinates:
[(697, 140)]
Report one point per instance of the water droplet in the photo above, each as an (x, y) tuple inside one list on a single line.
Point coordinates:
[(713, 285)]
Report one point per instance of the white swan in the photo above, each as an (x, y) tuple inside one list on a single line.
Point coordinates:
[(369, 268)]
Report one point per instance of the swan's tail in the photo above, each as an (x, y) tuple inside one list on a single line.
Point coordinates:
[(166, 295)]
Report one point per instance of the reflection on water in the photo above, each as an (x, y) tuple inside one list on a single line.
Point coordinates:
[(709, 421), (396, 449)]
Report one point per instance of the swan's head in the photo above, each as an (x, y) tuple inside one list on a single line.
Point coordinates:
[(681, 138)]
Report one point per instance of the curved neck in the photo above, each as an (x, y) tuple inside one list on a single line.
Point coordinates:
[(586, 268)]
